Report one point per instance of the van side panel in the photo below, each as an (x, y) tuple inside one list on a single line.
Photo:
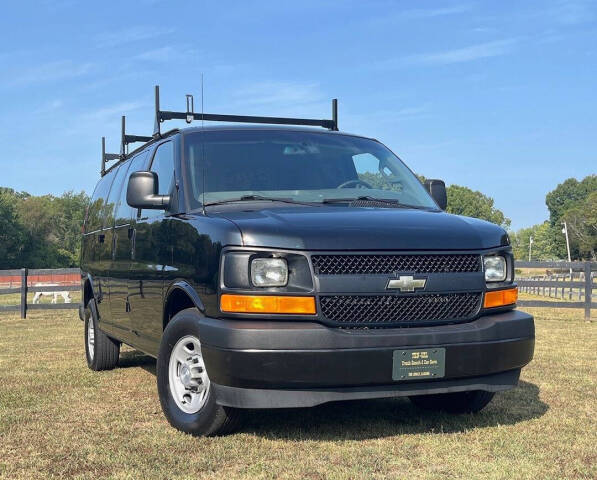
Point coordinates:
[(121, 254), (95, 247)]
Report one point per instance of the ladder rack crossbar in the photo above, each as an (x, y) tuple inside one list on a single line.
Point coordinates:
[(214, 117), (136, 138), (189, 115)]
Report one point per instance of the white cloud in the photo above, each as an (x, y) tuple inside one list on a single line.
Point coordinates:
[(277, 93), (421, 13), (104, 113), (379, 117), (437, 12), (411, 111), (129, 35), (458, 55), (572, 12), (50, 106), (105, 120), (165, 54), (47, 72), (162, 54)]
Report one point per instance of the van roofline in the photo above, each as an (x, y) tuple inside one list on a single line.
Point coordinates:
[(280, 128)]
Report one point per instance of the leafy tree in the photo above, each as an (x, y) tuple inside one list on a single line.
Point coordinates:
[(569, 194), (71, 214), (37, 217), (543, 247), (464, 201), (581, 221), (569, 202), (41, 232), (12, 192), (11, 233)]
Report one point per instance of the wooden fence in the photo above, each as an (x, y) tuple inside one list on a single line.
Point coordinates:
[(63, 279), (579, 285)]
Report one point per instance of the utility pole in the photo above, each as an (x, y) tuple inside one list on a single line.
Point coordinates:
[(530, 246), (565, 232)]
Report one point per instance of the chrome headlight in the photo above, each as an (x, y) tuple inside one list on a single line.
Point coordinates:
[(495, 268), (269, 272)]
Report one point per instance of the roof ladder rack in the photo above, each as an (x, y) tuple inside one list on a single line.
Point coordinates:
[(125, 140), (106, 157), (163, 115), (128, 139)]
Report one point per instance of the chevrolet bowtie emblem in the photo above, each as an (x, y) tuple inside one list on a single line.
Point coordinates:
[(406, 283)]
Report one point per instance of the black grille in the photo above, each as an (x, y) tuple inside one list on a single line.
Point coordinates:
[(392, 309), (379, 264)]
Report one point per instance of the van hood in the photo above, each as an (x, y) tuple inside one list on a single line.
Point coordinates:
[(347, 228)]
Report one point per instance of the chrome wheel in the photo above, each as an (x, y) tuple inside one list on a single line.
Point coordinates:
[(90, 338), (189, 383)]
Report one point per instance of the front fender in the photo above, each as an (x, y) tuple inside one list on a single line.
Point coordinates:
[(188, 289)]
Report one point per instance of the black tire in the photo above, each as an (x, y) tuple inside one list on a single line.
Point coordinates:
[(105, 349), (211, 419), (458, 402)]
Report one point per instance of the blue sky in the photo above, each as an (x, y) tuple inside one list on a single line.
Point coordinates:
[(498, 96)]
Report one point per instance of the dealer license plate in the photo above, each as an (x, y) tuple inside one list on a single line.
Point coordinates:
[(419, 364)]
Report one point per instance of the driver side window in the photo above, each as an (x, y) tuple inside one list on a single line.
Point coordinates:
[(163, 165)]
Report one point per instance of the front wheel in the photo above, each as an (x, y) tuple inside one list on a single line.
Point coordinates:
[(457, 402), (185, 392)]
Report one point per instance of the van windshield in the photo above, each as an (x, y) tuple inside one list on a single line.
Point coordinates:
[(307, 167)]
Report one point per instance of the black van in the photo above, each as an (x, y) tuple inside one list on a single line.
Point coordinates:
[(276, 267)]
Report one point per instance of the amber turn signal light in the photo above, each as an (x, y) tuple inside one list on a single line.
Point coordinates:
[(267, 304), (500, 298)]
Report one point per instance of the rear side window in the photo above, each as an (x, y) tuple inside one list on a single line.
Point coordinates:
[(124, 212), (163, 165), (98, 200), (110, 206)]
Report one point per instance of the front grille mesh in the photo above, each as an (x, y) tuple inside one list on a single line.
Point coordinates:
[(380, 264), (391, 309)]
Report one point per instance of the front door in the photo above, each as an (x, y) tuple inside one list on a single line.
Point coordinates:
[(152, 253), (122, 250)]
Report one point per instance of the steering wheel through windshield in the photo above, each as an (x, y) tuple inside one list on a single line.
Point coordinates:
[(354, 183)]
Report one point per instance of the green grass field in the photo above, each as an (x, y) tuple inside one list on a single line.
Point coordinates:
[(60, 420)]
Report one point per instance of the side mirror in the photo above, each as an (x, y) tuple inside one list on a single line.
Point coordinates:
[(437, 190), (142, 192)]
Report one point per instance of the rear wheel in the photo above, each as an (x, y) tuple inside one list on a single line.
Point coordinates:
[(457, 402), (184, 388), (101, 351)]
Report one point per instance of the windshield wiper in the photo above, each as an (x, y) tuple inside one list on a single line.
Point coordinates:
[(250, 198), (389, 201)]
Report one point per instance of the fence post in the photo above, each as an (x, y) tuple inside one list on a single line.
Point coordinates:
[(588, 291), (23, 292)]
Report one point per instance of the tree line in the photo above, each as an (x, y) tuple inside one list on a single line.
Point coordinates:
[(40, 231), (574, 203), (45, 231)]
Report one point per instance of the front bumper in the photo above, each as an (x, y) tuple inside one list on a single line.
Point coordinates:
[(267, 364)]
